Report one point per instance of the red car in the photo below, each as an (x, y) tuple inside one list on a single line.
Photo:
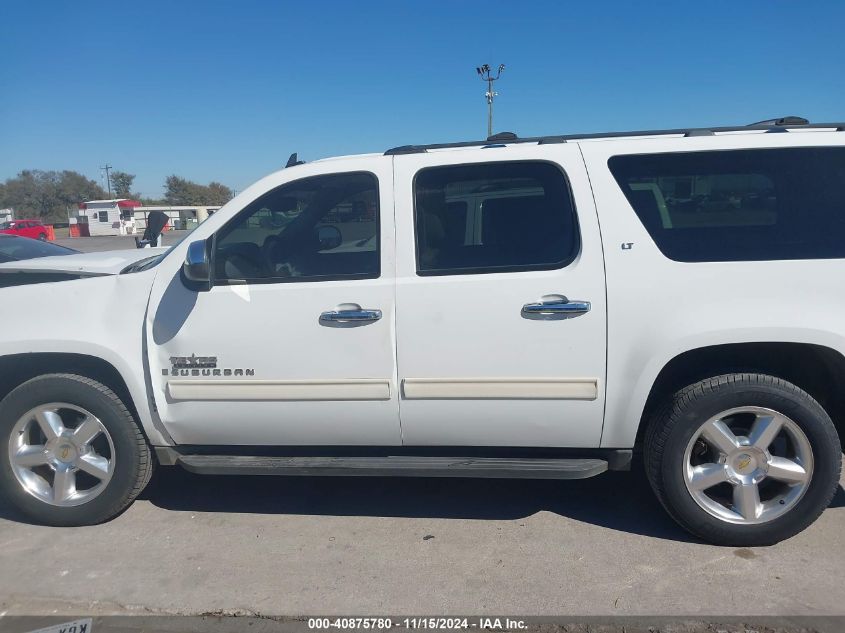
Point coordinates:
[(26, 228)]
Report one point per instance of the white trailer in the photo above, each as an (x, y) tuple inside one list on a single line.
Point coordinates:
[(108, 217)]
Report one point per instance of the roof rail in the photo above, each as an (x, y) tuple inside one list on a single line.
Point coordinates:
[(772, 125), (501, 136), (786, 120)]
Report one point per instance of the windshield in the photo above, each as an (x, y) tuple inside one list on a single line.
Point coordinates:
[(14, 248), (154, 260)]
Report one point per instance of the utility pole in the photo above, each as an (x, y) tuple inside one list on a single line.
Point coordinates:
[(487, 75), (106, 168)]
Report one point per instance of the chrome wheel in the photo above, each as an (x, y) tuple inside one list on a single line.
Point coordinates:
[(748, 465), (61, 454)]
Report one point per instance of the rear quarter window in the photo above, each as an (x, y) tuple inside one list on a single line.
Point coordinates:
[(739, 205)]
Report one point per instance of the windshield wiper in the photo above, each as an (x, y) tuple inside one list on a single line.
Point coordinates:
[(143, 264)]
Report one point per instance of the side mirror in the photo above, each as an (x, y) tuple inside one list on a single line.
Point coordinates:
[(196, 268), (329, 237)]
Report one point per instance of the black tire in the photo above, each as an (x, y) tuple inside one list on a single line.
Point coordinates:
[(672, 428), (133, 465), (42, 237)]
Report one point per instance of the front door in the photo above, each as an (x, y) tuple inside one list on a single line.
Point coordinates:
[(501, 318), (294, 342)]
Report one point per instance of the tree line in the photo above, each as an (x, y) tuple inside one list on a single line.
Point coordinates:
[(49, 195)]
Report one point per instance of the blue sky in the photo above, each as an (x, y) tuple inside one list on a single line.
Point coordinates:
[(227, 90)]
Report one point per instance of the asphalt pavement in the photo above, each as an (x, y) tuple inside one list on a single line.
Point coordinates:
[(111, 242), (272, 545)]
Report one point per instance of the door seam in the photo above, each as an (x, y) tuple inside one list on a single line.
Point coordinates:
[(606, 304), (395, 324)]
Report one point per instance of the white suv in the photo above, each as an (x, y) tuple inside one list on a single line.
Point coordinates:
[(535, 308)]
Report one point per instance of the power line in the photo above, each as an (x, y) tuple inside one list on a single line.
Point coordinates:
[(486, 74)]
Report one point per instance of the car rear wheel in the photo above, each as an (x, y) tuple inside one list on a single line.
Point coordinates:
[(743, 459), (74, 454), (42, 237)]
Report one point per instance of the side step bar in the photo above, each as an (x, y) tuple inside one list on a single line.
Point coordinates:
[(395, 466)]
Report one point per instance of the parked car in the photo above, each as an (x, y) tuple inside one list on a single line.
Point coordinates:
[(25, 228), (514, 307), (15, 248)]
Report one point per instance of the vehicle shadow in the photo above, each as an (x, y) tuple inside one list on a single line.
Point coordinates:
[(620, 501)]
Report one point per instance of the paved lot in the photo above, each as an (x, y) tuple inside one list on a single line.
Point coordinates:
[(603, 546), (111, 243)]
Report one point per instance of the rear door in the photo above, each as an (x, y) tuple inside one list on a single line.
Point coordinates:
[(501, 316)]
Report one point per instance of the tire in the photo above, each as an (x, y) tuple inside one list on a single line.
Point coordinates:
[(674, 441), (118, 440), (42, 237)]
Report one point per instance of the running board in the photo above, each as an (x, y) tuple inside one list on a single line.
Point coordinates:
[(395, 466)]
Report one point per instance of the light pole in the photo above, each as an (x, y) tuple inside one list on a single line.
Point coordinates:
[(106, 168), (486, 74)]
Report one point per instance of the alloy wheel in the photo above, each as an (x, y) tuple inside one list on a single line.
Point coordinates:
[(61, 454), (748, 465)]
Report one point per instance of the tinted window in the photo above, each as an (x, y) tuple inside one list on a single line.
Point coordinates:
[(761, 204), (493, 217), (324, 227)]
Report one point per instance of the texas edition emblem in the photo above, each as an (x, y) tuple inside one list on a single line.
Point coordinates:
[(194, 365)]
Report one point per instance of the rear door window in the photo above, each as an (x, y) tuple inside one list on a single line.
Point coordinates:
[(493, 217), (734, 205)]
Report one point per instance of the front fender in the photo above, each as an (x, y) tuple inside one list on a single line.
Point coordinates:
[(102, 317)]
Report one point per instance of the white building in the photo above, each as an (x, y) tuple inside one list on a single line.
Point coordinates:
[(106, 217), (127, 217)]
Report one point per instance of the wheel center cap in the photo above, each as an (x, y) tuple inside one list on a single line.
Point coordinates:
[(66, 453), (745, 463)]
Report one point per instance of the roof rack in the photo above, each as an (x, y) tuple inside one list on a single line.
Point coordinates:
[(772, 125), (786, 120)]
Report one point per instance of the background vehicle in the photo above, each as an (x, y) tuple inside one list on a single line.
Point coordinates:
[(25, 228), (15, 248), (535, 308)]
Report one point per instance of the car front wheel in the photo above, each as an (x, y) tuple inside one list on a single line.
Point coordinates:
[(74, 454), (743, 459)]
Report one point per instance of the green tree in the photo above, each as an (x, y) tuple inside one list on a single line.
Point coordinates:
[(179, 191), (47, 195), (121, 184), (218, 194)]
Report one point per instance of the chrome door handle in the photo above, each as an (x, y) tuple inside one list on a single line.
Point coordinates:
[(351, 316), (559, 308)]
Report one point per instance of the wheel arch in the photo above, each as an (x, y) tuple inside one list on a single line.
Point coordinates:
[(817, 369), (16, 369)]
